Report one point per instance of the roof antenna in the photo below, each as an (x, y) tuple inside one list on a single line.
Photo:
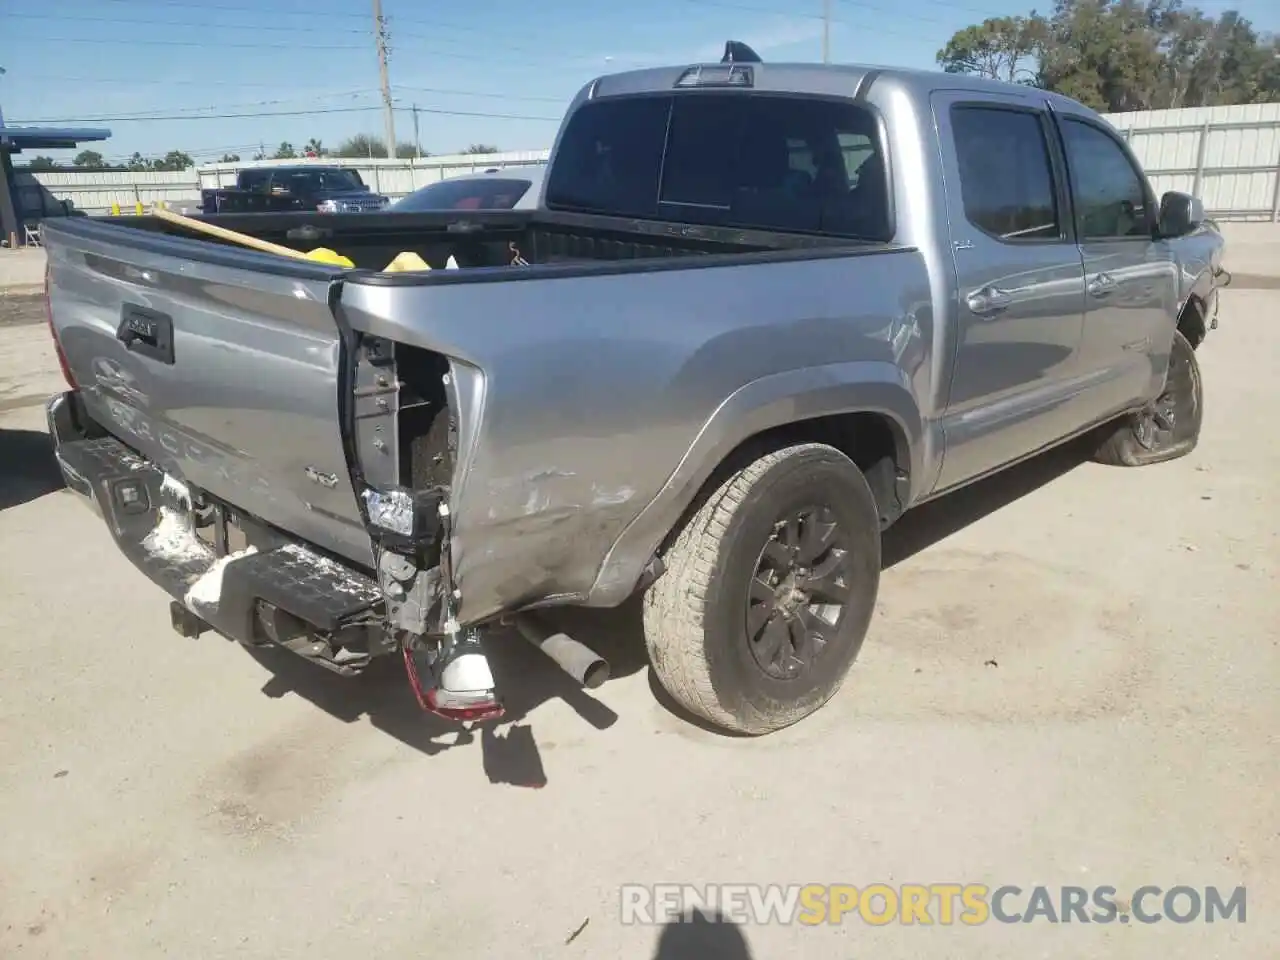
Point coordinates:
[(735, 51)]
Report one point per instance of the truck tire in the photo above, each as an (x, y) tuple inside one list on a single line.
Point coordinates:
[(768, 592), (1169, 426)]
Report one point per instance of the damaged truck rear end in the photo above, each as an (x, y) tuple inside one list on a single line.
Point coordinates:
[(731, 347)]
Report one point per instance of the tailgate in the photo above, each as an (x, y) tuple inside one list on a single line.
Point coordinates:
[(219, 365)]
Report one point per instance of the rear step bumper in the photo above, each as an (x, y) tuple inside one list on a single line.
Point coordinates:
[(314, 593)]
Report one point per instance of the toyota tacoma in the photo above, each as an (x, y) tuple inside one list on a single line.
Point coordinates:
[(760, 311)]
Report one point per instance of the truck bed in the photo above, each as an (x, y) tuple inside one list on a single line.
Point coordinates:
[(492, 238), (283, 389)]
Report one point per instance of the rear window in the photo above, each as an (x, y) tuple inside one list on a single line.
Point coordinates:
[(255, 179), (301, 181), (495, 194), (313, 181), (748, 161)]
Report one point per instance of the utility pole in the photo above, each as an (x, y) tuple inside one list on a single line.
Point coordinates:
[(380, 38), (826, 31), (417, 144)]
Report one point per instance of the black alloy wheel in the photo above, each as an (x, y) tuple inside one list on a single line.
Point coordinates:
[(798, 594)]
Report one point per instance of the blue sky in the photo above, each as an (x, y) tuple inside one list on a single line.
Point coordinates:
[(515, 63)]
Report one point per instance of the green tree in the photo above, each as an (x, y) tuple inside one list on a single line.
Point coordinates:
[(285, 151), (136, 162), (1118, 55), (1000, 48), (89, 158), (177, 160), (230, 158), (361, 145), (477, 148), (42, 163), (316, 148), (1106, 55)]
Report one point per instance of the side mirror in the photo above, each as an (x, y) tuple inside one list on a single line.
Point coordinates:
[(1180, 213)]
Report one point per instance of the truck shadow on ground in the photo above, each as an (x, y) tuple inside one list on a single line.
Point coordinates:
[(27, 468), (702, 936), (526, 677), (933, 522)]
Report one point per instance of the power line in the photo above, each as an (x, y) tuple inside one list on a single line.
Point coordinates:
[(291, 113), (490, 61), (160, 114), (791, 14), (209, 116), (241, 8), (817, 17), (152, 82), (206, 151), (482, 114), (876, 8), (193, 43), (327, 14), (393, 21), (477, 93), (259, 27), (197, 152)]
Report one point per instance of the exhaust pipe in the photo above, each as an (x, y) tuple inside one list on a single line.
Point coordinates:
[(574, 658)]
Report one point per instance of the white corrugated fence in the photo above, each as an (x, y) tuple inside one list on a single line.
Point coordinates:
[(94, 191), (1228, 156)]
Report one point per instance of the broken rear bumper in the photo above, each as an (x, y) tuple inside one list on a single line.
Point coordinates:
[(285, 592)]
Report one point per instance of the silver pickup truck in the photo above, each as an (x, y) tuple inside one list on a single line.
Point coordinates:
[(760, 312)]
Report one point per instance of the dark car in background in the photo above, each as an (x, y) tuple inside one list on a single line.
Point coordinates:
[(500, 189), (328, 189)]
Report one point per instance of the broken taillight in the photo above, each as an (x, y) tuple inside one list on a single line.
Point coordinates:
[(53, 332), (471, 706)]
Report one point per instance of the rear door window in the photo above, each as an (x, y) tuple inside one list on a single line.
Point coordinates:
[(1006, 176), (466, 195), (749, 161)]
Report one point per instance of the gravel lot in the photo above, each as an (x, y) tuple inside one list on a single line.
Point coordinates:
[(1072, 680)]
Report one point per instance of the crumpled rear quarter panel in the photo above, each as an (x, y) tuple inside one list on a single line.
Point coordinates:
[(579, 396)]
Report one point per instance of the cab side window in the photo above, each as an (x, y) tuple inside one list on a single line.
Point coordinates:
[(1110, 196), (1006, 176)]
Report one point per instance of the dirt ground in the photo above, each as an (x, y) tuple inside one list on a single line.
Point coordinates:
[(1072, 680)]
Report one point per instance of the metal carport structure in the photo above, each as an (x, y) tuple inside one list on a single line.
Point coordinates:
[(15, 140)]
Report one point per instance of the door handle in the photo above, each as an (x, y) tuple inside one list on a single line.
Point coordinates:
[(1101, 285), (989, 301), (147, 332)]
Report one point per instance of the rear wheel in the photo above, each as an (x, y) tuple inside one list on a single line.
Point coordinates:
[(1167, 427), (769, 591)]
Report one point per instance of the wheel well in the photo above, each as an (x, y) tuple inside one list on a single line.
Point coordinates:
[(873, 441), (1191, 322)]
